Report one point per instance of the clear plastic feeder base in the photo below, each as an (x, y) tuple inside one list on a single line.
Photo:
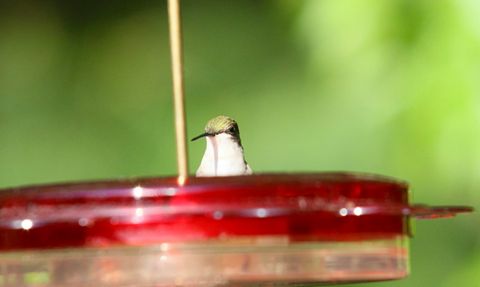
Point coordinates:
[(259, 261)]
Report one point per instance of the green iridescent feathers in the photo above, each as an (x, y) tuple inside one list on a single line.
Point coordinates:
[(220, 124)]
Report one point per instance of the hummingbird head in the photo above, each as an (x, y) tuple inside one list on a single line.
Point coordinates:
[(220, 125)]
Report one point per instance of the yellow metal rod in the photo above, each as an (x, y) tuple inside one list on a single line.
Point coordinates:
[(178, 90)]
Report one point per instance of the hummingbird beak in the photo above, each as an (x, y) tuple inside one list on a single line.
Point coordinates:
[(201, 136)]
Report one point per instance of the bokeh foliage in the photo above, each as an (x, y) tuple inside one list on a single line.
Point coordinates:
[(390, 87)]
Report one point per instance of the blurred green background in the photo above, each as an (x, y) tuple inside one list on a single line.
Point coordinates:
[(389, 87)]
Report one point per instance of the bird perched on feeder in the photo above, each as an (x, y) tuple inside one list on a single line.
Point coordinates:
[(224, 152)]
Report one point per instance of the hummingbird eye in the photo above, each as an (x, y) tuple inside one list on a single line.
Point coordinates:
[(231, 130)]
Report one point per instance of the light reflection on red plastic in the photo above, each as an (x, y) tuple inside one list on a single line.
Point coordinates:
[(320, 207)]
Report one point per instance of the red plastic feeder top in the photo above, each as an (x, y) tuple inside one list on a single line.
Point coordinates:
[(304, 207)]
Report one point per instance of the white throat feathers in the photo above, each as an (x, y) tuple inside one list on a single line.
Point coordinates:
[(223, 157)]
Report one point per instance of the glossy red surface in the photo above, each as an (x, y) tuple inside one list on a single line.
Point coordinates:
[(320, 207)]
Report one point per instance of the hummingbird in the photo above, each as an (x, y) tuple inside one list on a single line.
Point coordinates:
[(224, 152)]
